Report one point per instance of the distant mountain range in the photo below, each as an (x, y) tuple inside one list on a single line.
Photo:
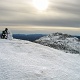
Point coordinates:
[(77, 37), (30, 37), (65, 42)]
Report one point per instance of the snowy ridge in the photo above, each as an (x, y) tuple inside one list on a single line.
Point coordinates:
[(61, 41), (24, 60)]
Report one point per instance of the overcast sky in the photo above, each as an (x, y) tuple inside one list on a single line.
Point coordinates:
[(61, 15)]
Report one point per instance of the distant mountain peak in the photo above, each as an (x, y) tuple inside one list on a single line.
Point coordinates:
[(60, 35), (61, 41)]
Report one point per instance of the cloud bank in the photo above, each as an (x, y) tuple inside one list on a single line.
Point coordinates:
[(64, 13)]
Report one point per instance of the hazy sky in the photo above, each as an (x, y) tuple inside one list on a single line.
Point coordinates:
[(21, 16)]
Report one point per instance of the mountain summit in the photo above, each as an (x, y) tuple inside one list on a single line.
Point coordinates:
[(24, 60), (61, 41)]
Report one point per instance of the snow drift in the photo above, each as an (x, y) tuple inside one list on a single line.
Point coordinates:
[(24, 60)]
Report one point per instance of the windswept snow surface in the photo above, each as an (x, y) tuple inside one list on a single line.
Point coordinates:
[(24, 60)]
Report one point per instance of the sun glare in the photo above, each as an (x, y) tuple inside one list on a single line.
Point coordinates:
[(41, 4)]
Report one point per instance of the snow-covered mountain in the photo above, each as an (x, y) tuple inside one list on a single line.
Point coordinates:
[(61, 41), (24, 60)]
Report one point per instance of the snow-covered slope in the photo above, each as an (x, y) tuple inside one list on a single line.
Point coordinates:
[(61, 41), (24, 60)]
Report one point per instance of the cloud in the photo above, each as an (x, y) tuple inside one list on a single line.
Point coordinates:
[(65, 13), (67, 7)]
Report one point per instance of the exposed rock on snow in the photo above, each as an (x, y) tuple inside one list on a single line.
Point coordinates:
[(61, 41), (24, 60)]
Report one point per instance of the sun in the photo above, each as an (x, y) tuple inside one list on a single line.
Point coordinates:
[(41, 4)]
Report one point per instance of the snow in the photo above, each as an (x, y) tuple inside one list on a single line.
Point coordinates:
[(60, 41), (9, 35), (24, 60)]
